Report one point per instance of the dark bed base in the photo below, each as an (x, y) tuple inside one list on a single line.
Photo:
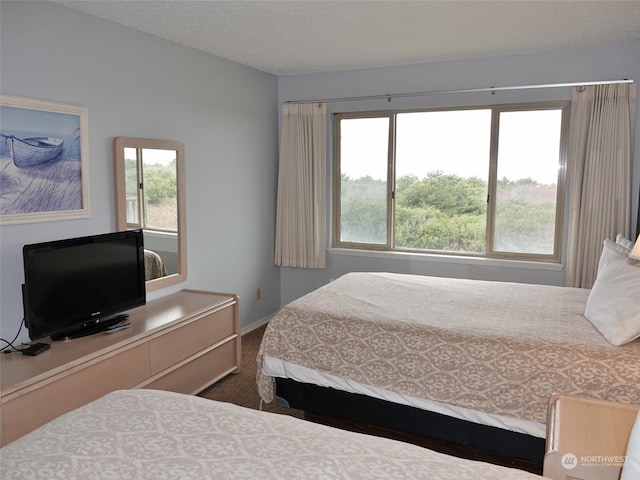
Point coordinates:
[(438, 432)]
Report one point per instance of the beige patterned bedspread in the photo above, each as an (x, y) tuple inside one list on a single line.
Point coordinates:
[(501, 348), (149, 434)]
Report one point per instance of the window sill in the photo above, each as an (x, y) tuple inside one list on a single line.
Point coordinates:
[(430, 257), (160, 233)]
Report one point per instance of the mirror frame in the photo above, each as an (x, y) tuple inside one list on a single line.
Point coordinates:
[(119, 144)]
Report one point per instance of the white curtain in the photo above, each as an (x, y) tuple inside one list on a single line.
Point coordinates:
[(600, 158), (301, 209)]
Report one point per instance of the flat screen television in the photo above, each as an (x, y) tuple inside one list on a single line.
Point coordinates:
[(75, 287)]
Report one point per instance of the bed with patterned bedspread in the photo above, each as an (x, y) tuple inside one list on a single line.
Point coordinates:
[(481, 351), (149, 434)]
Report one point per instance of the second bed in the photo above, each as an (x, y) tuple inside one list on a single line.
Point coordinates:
[(479, 352)]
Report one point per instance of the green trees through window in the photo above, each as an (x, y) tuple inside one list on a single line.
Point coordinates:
[(441, 212), (446, 197)]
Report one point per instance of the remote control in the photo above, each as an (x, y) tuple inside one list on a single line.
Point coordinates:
[(35, 349)]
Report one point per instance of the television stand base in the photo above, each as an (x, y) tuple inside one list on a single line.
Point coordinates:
[(90, 328)]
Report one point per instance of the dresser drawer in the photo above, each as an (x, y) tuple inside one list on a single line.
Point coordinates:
[(197, 374), (68, 391), (174, 346)]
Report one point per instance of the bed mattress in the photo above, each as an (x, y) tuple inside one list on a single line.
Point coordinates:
[(496, 349)]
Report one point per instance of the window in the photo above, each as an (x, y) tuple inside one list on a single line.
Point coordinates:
[(478, 181), (151, 189)]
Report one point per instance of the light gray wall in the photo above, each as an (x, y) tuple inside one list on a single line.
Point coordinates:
[(610, 63), (135, 84)]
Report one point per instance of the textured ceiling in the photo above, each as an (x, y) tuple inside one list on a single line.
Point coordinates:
[(305, 36)]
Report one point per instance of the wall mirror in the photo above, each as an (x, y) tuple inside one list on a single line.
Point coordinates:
[(150, 195)]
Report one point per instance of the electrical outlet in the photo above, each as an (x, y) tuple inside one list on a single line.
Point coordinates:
[(258, 293)]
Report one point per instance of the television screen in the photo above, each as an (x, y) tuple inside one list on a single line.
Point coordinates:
[(78, 283)]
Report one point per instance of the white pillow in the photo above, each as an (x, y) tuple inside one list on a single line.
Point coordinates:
[(631, 469), (624, 241), (611, 251), (613, 306)]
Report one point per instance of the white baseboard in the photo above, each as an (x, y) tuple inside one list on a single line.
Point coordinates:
[(256, 324)]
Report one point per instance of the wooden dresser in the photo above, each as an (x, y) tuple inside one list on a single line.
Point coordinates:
[(183, 342)]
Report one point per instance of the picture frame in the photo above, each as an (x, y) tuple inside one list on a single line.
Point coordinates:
[(44, 161)]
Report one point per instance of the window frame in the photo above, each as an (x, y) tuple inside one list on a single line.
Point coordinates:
[(139, 192), (490, 252)]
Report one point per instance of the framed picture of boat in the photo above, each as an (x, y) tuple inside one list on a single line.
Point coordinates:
[(44, 164)]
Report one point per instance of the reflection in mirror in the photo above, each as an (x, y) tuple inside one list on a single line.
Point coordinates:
[(150, 195)]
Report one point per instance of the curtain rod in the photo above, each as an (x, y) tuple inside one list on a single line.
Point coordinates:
[(389, 96)]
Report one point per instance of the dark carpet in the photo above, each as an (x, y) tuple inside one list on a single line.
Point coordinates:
[(241, 388)]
